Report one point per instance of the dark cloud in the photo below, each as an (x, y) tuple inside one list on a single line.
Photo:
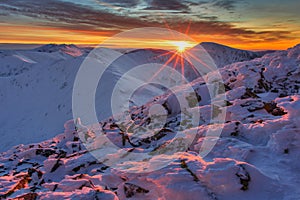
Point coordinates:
[(196, 3), (225, 4), (66, 14), (167, 5), (121, 3), (71, 16)]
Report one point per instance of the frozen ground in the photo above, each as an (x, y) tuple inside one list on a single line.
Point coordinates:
[(256, 156), (36, 87)]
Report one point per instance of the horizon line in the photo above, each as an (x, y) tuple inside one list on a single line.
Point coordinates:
[(19, 46)]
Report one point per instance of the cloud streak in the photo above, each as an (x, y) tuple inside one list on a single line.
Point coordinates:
[(225, 4), (142, 13), (172, 5)]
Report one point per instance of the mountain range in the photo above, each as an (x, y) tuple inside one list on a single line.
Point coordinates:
[(255, 157)]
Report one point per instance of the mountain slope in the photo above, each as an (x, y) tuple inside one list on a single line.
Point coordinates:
[(36, 87), (35, 96), (224, 55), (256, 156)]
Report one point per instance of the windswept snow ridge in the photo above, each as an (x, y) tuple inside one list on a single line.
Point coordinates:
[(224, 55)]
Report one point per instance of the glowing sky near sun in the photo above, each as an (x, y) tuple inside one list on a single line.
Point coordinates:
[(255, 24)]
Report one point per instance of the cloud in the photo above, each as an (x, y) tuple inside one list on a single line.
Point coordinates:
[(71, 16), (120, 3), (167, 5), (67, 14), (225, 4)]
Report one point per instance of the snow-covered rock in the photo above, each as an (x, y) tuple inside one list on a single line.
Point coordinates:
[(256, 156)]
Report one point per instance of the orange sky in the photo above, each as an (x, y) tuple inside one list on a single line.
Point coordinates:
[(43, 35), (253, 26)]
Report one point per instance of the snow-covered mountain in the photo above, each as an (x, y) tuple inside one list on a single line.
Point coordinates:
[(254, 158), (224, 55), (35, 93), (70, 49), (36, 87)]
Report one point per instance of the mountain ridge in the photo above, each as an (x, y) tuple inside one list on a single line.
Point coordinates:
[(51, 75), (224, 55), (254, 158)]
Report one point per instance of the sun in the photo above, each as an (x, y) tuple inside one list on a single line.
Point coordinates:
[(181, 46)]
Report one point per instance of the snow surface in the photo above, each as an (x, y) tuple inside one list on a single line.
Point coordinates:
[(256, 156), (35, 94), (36, 87), (224, 55)]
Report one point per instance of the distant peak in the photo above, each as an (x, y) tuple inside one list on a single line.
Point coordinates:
[(297, 46), (224, 55), (69, 49), (48, 46), (217, 45), (211, 43)]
